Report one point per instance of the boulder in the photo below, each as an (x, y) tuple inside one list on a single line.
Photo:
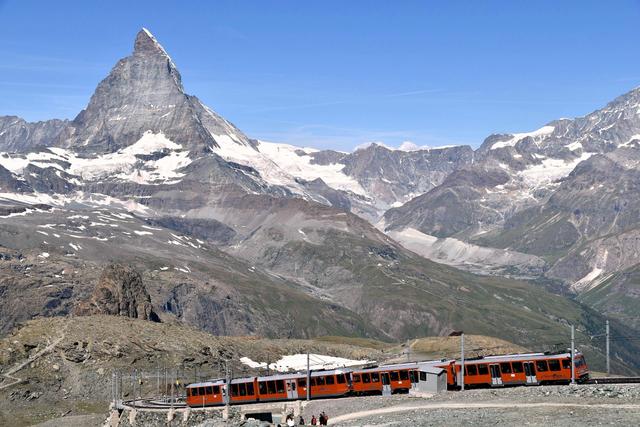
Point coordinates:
[(119, 292)]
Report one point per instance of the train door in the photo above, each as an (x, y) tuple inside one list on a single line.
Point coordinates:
[(496, 379), (386, 384), (292, 390), (530, 372)]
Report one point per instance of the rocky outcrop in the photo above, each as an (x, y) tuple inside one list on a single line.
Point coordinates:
[(119, 292), (18, 135)]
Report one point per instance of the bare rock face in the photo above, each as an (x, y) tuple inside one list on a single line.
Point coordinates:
[(119, 292)]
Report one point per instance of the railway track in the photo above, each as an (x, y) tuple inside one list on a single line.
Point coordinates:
[(153, 404), (161, 404), (613, 380)]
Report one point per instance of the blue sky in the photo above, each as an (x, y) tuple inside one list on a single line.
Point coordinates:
[(337, 74)]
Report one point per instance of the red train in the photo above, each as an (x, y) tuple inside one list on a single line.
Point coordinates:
[(489, 371)]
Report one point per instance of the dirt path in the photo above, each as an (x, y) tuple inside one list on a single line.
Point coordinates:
[(15, 380), (435, 406)]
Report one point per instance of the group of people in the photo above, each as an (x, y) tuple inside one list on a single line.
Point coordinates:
[(321, 420)]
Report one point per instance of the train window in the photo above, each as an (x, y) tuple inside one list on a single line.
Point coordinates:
[(208, 390), (200, 391), (313, 381), (243, 389), (271, 387), (216, 389), (320, 380), (472, 370), (356, 378), (554, 365), (566, 363), (250, 391), (302, 382), (262, 387), (394, 375), (330, 380), (234, 389), (341, 379), (505, 367), (423, 376), (517, 367), (366, 378), (541, 366), (293, 385), (483, 370), (413, 376), (188, 392), (404, 375), (280, 386)]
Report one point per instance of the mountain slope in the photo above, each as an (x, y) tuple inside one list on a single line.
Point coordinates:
[(232, 242)]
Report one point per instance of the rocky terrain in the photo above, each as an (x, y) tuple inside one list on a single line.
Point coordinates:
[(584, 405), (64, 365)]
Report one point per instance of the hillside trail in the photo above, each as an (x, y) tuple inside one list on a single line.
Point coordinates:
[(10, 373), (487, 405)]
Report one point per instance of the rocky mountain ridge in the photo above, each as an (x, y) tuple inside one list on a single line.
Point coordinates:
[(242, 236)]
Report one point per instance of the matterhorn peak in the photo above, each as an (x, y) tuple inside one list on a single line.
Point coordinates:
[(147, 43)]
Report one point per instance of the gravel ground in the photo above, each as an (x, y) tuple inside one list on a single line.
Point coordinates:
[(548, 406)]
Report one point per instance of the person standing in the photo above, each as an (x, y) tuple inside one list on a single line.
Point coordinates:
[(314, 421)]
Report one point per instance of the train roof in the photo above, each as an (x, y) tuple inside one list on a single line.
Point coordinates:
[(520, 356), (269, 378), (409, 365)]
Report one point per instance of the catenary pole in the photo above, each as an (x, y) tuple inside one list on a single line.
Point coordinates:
[(308, 377), (608, 360), (462, 361), (573, 355)]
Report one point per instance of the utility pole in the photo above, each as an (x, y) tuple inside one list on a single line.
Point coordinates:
[(308, 377), (228, 381), (573, 355), (408, 351), (608, 360), (462, 361)]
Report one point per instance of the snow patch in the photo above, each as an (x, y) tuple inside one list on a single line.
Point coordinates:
[(298, 362), (516, 137), (549, 170)]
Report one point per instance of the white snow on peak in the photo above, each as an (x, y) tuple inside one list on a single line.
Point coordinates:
[(298, 362), (633, 138), (155, 41), (298, 162), (405, 146), (537, 134), (122, 164), (575, 146), (549, 170), (281, 164)]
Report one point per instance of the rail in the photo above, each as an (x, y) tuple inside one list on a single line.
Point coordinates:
[(613, 380)]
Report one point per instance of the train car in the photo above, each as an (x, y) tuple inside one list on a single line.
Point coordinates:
[(334, 383), (384, 379), (271, 388), (206, 393), (521, 369)]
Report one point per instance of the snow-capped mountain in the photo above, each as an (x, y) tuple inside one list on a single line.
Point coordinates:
[(233, 231), (557, 203), (229, 232)]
